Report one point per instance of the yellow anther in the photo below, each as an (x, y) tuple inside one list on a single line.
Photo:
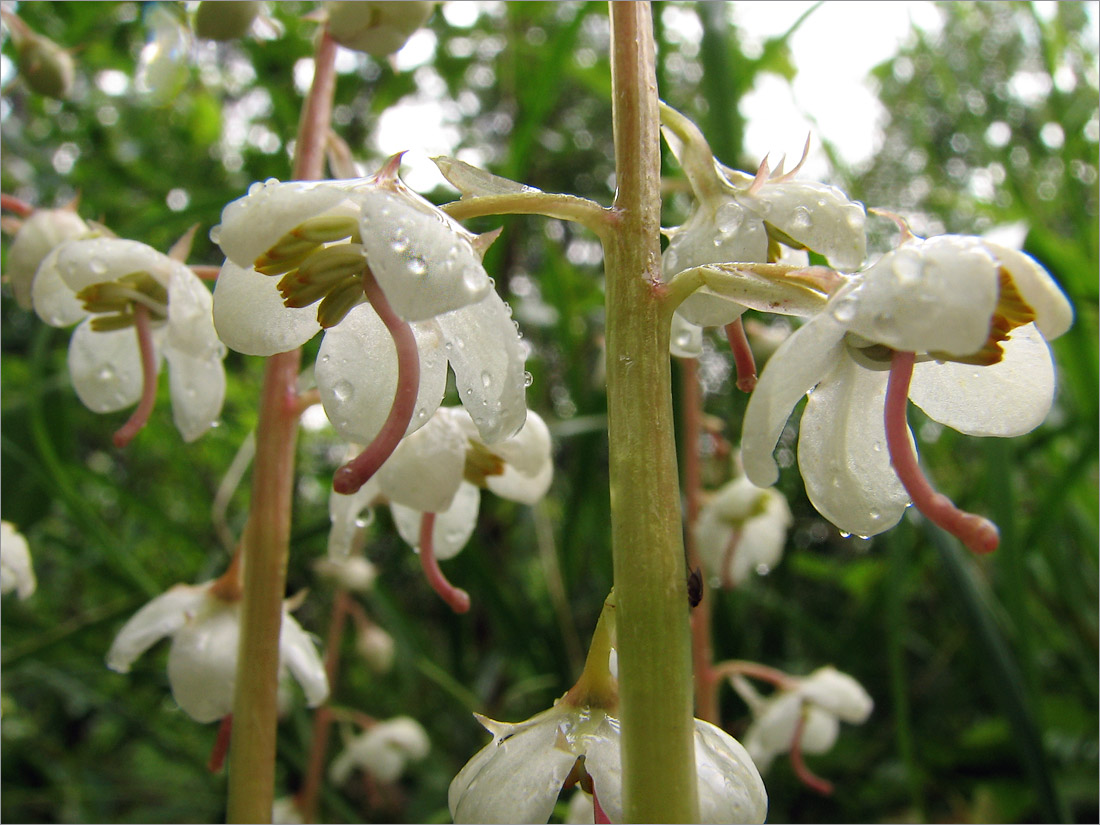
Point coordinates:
[(481, 463), (339, 302)]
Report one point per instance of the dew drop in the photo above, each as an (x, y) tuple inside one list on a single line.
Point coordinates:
[(343, 390), (729, 217), (216, 234), (486, 379), (528, 379), (255, 188), (97, 266), (106, 373), (907, 268), (845, 535), (801, 219), (845, 310), (417, 265)]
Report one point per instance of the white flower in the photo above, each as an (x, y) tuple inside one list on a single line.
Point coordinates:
[(376, 646), (438, 469), (517, 777), (16, 570), (742, 218), (284, 811), (377, 28), (741, 529), (383, 750), (826, 698), (202, 663), (975, 313), (321, 237), (43, 231), (351, 571), (98, 282)]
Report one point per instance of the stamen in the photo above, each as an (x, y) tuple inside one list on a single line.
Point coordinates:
[(221, 745), (743, 361), (144, 409), (355, 473), (804, 774), (976, 532), (456, 598)]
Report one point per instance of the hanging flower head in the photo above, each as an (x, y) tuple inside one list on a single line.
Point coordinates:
[(433, 478), (742, 528), (974, 316), (135, 306), (306, 256), (751, 218), (203, 622), (16, 570), (802, 716), (383, 750)]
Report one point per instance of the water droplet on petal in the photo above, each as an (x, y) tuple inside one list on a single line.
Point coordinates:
[(729, 217), (486, 379), (343, 390), (97, 266), (907, 268), (528, 379), (801, 218), (845, 310)]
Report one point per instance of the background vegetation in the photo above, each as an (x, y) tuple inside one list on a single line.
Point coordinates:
[(984, 670)]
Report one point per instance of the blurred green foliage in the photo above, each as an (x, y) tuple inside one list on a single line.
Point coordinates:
[(984, 670)]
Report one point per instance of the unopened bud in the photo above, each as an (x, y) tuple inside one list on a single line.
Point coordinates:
[(225, 19), (354, 573), (47, 68), (376, 27), (39, 234), (376, 646)]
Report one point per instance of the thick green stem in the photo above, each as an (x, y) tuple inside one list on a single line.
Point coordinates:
[(655, 686), (267, 536)]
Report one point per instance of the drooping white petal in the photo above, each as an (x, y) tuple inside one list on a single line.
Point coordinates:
[(797, 366), (41, 233), (86, 262), (53, 299), (1053, 312), (762, 538), (346, 514), (190, 314), (357, 374), (817, 215), (772, 731), (487, 357), (686, 340), (842, 451), (512, 780), (820, 731), (202, 664), (730, 787), (528, 469), (197, 386), (600, 744), (161, 617), (452, 528), (253, 224), (16, 570), (935, 295), (423, 260), (250, 316), (838, 693), (1009, 398), (298, 654), (105, 367), (426, 469)]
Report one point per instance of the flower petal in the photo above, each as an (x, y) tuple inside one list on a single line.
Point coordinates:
[(190, 314), (842, 451), (484, 348), (250, 316), (686, 340), (298, 654), (819, 216), (423, 260), (53, 299), (1009, 398), (453, 527), (93, 261), (602, 759), (528, 469), (357, 374), (161, 617), (253, 224), (797, 366), (1053, 312), (41, 233), (838, 693), (426, 469), (345, 513), (197, 386), (730, 787), (517, 779), (105, 367), (772, 731), (202, 664), (16, 569), (935, 295)]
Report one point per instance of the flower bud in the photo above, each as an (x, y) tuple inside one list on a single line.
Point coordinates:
[(376, 27), (37, 237), (47, 68), (376, 646), (226, 19)]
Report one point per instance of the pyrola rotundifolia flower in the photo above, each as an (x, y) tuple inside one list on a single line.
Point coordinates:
[(16, 571), (202, 663), (436, 471), (383, 750), (517, 777), (377, 28), (109, 285), (821, 701), (323, 240), (39, 235), (742, 528), (744, 218), (975, 315)]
